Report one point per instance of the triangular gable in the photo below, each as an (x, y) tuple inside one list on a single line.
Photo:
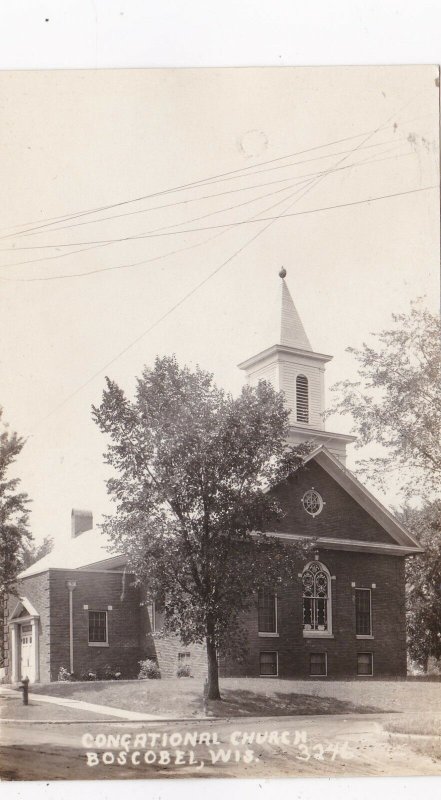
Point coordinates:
[(347, 480), (23, 608)]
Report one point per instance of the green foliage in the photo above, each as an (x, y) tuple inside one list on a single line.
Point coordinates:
[(193, 469), (149, 669), (397, 402)]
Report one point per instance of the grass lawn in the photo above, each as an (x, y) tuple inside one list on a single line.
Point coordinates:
[(424, 725), (255, 696), (421, 724)]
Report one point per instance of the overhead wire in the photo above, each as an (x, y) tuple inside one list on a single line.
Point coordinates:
[(181, 187), (201, 283), (144, 261), (103, 242), (50, 229), (226, 227)]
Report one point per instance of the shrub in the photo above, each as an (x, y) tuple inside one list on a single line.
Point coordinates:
[(111, 673), (64, 674), (89, 676), (149, 669), (183, 671)]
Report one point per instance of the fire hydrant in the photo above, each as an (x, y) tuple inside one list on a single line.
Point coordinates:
[(25, 689)]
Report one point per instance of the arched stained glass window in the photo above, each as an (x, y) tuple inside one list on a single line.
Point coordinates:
[(316, 599), (302, 399)]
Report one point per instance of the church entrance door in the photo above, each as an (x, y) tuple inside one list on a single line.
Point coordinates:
[(27, 667)]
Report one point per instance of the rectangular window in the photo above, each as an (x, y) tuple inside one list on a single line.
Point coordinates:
[(365, 664), (184, 659), (152, 615), (318, 664), (97, 627), (267, 612), (269, 663), (363, 622)]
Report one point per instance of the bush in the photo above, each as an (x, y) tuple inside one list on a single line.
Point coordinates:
[(149, 669), (184, 671), (89, 676), (111, 673), (64, 675)]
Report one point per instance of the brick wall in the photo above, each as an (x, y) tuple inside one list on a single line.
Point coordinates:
[(167, 654), (341, 517), (36, 589), (130, 635), (388, 622), (127, 633), (167, 648)]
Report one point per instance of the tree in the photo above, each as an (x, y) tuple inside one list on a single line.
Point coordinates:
[(423, 575), (193, 470), (397, 403), (14, 514), (32, 552)]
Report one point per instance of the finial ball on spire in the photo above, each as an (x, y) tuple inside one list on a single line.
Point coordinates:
[(282, 273)]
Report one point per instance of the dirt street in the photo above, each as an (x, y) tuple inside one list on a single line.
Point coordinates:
[(289, 747)]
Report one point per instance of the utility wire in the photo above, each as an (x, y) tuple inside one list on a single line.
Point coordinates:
[(51, 229), (203, 197), (204, 281), (194, 184), (134, 237), (105, 242), (147, 261), (166, 314), (226, 228)]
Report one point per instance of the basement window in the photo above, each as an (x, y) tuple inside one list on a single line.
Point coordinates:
[(98, 628), (269, 664), (365, 664), (318, 664)]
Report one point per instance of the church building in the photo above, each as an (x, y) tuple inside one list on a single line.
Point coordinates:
[(78, 609)]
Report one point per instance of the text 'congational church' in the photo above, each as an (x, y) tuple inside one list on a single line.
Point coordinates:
[(344, 615)]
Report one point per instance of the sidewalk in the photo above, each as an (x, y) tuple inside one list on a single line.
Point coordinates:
[(13, 710)]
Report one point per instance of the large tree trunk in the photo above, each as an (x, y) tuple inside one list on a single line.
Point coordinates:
[(213, 671)]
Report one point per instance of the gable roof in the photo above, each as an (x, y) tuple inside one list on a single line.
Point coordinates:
[(347, 480), (91, 549), (23, 608)]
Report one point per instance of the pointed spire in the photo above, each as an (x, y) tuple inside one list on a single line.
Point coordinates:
[(290, 330)]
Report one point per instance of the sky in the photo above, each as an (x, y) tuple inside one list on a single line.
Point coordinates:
[(73, 141)]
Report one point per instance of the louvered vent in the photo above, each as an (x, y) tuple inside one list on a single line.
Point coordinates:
[(302, 404)]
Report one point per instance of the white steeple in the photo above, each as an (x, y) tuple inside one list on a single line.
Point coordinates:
[(291, 365), (289, 327)]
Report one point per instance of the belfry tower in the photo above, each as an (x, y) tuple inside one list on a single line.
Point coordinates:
[(291, 365)]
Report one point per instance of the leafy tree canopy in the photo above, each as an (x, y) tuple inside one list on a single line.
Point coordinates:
[(396, 402), (34, 552), (424, 584), (14, 512), (193, 469)]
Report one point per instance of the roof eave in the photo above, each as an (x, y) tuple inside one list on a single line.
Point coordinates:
[(282, 348)]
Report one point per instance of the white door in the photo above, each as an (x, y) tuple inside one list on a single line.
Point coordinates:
[(27, 653)]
